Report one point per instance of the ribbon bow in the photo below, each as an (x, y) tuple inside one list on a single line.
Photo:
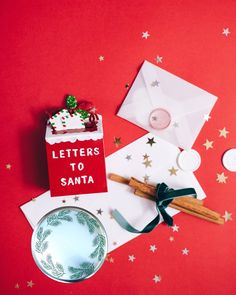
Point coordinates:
[(163, 197)]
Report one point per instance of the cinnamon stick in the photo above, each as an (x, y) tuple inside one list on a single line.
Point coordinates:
[(118, 178), (150, 190), (121, 179), (182, 209), (188, 205), (192, 200)]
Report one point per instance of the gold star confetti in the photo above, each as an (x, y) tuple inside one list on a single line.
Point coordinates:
[(145, 35), (99, 211), (30, 284), (128, 157), (207, 117), (111, 216), (76, 198), (17, 286), (145, 157), (111, 260), (173, 171), (227, 216), (8, 166), (157, 279), (117, 141), (185, 251), (101, 58), (159, 59), (221, 178), (175, 228), (208, 144), (147, 163), (155, 83), (132, 258), (223, 132), (171, 239), (151, 141), (146, 178), (176, 124), (153, 248), (226, 32)]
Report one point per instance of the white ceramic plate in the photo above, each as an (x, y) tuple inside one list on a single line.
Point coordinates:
[(69, 244)]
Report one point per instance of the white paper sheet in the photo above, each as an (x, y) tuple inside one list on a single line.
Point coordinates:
[(128, 161)]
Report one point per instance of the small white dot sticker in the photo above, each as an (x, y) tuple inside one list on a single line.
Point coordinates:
[(189, 160), (229, 160)]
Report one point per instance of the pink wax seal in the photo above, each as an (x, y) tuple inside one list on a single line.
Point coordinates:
[(159, 119)]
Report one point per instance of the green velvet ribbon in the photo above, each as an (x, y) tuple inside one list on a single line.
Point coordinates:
[(163, 197)]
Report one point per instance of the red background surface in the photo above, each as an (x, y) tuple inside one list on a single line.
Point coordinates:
[(51, 48)]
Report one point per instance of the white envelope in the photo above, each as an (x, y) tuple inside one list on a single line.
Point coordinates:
[(186, 103), (128, 161)]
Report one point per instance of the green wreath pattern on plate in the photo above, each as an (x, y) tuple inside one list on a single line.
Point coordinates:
[(55, 219), (57, 269), (42, 245), (85, 268), (83, 218), (99, 242)]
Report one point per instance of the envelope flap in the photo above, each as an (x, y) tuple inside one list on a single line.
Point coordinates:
[(151, 80), (186, 103)]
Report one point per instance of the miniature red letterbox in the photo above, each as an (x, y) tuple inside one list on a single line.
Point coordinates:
[(75, 153)]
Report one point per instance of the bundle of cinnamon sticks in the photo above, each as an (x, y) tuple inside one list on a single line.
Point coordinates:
[(189, 205)]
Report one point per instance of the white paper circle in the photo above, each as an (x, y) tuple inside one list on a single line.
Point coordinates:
[(189, 160), (229, 160)]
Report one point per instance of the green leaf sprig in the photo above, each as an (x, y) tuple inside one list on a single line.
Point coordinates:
[(55, 219), (41, 245), (84, 270), (57, 269)]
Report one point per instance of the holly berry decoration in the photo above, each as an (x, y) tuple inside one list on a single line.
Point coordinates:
[(86, 110), (86, 106), (83, 114), (71, 102)]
